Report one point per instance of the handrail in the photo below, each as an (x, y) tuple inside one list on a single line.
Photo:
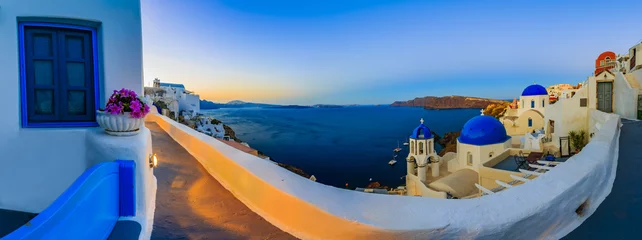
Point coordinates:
[(89, 208)]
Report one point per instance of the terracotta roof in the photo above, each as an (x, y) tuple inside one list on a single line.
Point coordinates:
[(601, 70), (240, 147)]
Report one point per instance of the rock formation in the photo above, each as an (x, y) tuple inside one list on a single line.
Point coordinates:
[(231, 133), (448, 142), (376, 185), (497, 110), (448, 102)]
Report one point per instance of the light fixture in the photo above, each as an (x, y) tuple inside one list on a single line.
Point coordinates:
[(153, 160)]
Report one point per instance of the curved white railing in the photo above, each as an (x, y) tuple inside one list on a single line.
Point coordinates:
[(547, 207)]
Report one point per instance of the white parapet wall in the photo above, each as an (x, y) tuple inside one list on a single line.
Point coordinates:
[(418, 188), (105, 148), (544, 208), (38, 164)]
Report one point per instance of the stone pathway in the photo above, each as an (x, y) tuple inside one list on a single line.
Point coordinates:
[(620, 215), (191, 204)]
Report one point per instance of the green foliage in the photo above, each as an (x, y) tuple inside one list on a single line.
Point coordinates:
[(215, 121), (496, 110), (578, 139), (161, 104), (172, 115)]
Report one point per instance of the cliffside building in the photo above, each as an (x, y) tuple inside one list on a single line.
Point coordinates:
[(529, 114), (613, 88), (454, 175), (176, 97), (61, 61)]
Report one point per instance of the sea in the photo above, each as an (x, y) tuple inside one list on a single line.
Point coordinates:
[(339, 146), (353, 144)]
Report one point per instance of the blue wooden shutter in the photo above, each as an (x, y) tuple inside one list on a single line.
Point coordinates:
[(59, 73)]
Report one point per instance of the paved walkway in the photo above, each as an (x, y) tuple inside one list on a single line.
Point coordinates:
[(620, 215), (191, 204)]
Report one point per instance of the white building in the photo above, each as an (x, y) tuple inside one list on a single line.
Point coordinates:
[(557, 90), (482, 137), (529, 115), (186, 101), (61, 61), (455, 174), (422, 152), (614, 90)]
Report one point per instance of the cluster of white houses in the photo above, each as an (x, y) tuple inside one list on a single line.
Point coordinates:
[(540, 121), (177, 99)]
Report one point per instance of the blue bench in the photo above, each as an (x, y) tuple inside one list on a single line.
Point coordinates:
[(90, 207)]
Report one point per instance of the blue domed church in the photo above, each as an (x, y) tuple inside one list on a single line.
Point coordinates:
[(529, 115), (422, 152), (482, 137), (454, 174)]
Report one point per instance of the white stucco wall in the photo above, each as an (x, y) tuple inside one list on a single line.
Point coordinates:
[(568, 115), (481, 154), (638, 55), (39, 164), (527, 103), (415, 187), (310, 210), (190, 102), (104, 148), (625, 97)]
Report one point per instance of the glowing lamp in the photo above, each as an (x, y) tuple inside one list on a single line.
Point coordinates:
[(153, 161)]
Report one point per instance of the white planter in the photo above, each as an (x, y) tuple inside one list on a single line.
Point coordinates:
[(119, 124)]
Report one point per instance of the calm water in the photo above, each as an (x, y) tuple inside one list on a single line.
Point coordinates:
[(339, 145), (354, 144)]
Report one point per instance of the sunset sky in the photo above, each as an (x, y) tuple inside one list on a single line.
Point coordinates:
[(378, 51)]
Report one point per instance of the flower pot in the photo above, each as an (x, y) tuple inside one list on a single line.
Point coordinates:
[(119, 124)]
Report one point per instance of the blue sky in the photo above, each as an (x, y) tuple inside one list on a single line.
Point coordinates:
[(378, 51)]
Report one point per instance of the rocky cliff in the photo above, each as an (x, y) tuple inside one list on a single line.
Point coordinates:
[(448, 142), (448, 102)]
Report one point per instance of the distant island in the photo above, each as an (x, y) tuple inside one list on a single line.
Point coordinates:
[(327, 106), (290, 106), (447, 102), (234, 104), (205, 104)]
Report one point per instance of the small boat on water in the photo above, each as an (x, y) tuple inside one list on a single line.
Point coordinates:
[(406, 144), (398, 149), (393, 161)]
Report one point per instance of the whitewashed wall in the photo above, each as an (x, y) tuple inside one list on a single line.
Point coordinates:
[(568, 115), (310, 210), (625, 97), (39, 164), (190, 102), (480, 154), (415, 187), (527, 103)]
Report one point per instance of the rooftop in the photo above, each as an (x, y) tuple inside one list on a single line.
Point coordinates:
[(174, 85), (534, 90)]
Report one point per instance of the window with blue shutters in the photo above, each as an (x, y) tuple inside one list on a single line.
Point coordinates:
[(530, 122), (58, 75), (532, 103)]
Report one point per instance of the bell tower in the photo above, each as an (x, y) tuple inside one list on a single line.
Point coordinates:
[(422, 151)]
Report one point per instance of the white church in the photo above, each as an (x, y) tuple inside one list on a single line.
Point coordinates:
[(454, 174)]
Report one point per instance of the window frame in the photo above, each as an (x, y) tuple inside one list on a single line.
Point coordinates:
[(24, 108)]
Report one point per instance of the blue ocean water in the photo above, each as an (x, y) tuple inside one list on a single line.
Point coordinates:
[(339, 145)]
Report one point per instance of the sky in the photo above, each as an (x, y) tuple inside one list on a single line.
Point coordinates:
[(378, 51)]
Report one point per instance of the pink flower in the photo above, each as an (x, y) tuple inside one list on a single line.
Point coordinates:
[(114, 109), (125, 100)]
